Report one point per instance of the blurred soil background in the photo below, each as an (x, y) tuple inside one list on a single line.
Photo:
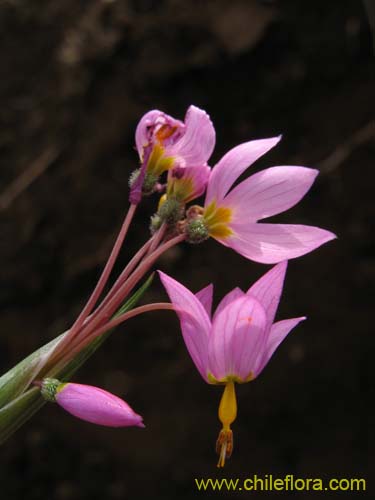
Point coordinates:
[(76, 78)]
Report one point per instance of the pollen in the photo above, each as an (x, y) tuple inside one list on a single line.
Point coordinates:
[(224, 446), (165, 132)]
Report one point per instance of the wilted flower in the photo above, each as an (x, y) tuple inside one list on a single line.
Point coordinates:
[(164, 143), (232, 219), (90, 403), (236, 343)]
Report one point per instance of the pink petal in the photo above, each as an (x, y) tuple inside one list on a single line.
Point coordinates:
[(198, 141), (151, 121), (272, 243), (234, 294), (199, 177), (142, 132), (205, 297), (269, 192), (194, 320), (277, 334), (188, 183), (238, 337), (96, 406), (267, 290), (233, 164)]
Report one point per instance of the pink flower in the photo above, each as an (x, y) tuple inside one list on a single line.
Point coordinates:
[(187, 144), (164, 143), (186, 184), (91, 404), (232, 217), (237, 341)]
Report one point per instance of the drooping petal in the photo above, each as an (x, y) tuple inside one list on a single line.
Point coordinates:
[(205, 297), (234, 294), (96, 406), (269, 192), (198, 141), (238, 337), (272, 243), (268, 290), (143, 132), (149, 123), (194, 320), (278, 332), (233, 164)]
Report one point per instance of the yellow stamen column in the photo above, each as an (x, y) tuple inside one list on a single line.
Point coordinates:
[(227, 415)]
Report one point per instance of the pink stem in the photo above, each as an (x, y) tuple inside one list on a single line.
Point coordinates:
[(130, 314), (100, 331), (115, 302), (120, 280), (83, 316), (106, 272), (158, 236), (125, 273)]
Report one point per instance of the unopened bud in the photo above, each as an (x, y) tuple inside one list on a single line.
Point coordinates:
[(90, 403)]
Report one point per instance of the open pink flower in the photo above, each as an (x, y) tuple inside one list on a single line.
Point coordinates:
[(91, 404), (164, 143), (231, 217), (237, 341)]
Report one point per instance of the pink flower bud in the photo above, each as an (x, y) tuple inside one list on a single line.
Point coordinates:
[(91, 404)]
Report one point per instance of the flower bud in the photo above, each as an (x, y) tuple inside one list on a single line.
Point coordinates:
[(90, 403)]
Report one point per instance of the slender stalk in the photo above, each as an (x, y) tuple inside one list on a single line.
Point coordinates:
[(100, 331), (125, 273), (121, 279), (106, 272), (123, 317), (128, 269), (80, 321), (115, 302), (157, 238)]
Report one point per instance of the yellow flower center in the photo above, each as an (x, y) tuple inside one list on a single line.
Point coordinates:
[(230, 378), (158, 163), (217, 220), (181, 189)]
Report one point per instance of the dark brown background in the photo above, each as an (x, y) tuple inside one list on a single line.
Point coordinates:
[(76, 78)]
